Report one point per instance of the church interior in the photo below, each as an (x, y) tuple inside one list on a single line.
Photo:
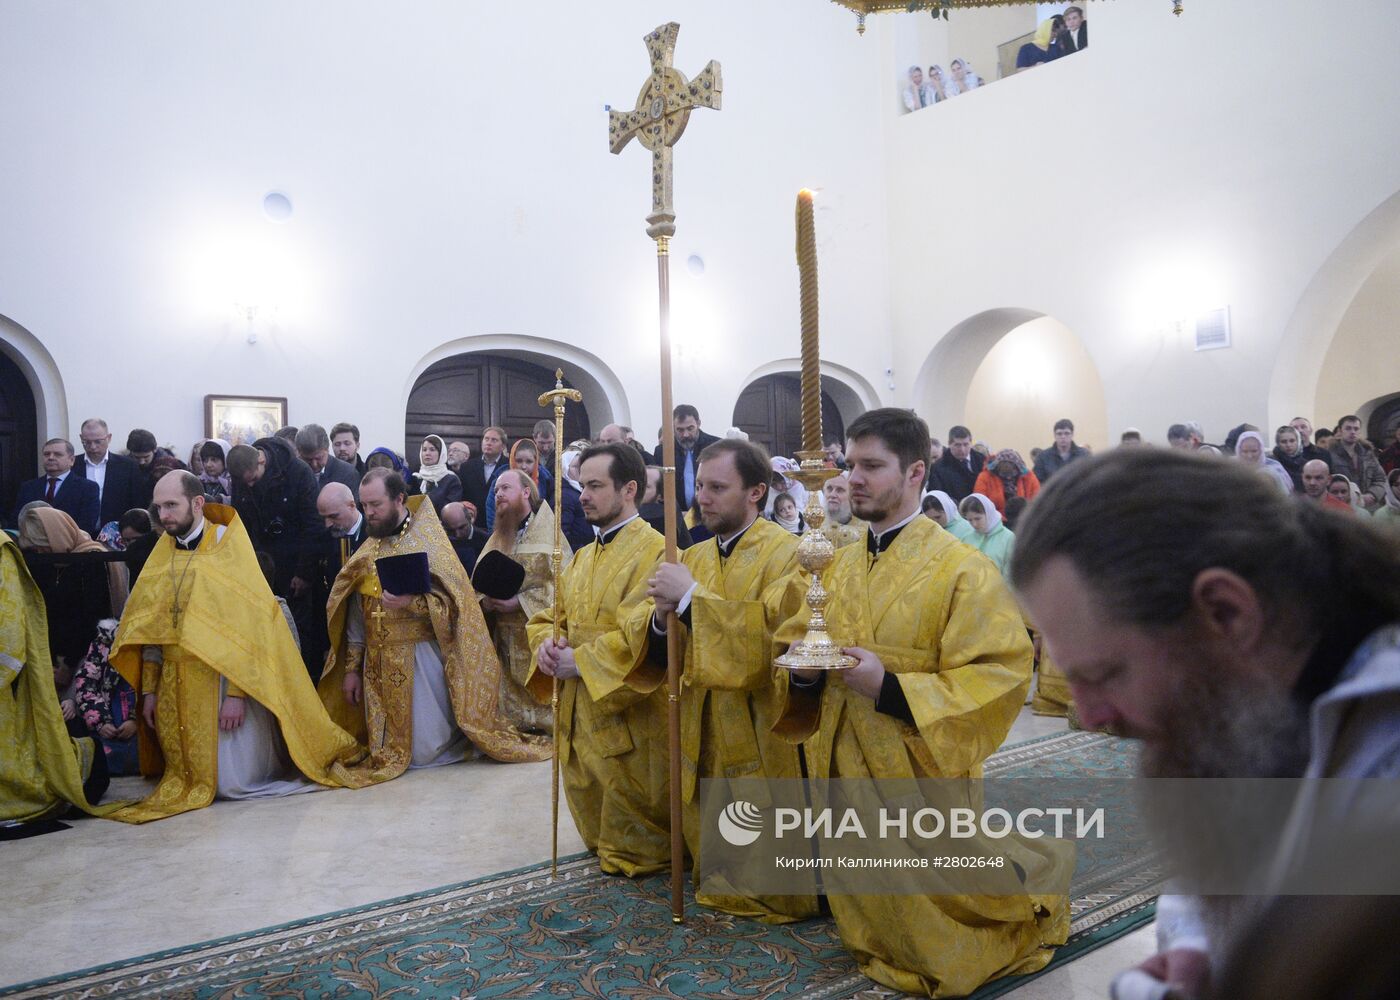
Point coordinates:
[(224, 219)]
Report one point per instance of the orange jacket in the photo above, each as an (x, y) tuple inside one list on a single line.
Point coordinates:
[(989, 485)]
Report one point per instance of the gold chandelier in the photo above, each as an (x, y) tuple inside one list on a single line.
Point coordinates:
[(938, 8)]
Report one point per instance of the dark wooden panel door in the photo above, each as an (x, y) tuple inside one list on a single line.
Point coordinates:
[(770, 412), (19, 428), (1384, 422), (460, 396)]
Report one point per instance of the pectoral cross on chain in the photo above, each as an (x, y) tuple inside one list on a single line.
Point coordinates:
[(380, 631), (659, 120)]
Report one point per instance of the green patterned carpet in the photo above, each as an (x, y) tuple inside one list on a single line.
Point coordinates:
[(519, 934)]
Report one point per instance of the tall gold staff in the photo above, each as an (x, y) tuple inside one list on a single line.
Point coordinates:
[(663, 109), (556, 397)]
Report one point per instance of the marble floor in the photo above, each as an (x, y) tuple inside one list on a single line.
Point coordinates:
[(103, 891)]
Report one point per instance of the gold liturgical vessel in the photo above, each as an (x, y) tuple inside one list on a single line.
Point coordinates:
[(816, 650)]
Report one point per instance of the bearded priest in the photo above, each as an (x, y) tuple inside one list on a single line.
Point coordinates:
[(413, 668), (612, 717), (944, 663), (730, 593), (227, 708)]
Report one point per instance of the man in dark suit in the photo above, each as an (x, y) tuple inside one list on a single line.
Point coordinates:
[(459, 521), (75, 495), (1076, 33), (314, 447), (480, 472), (346, 525), (956, 472), (122, 485), (690, 442)]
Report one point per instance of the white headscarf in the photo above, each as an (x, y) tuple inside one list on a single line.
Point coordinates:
[(950, 509), (566, 458), (791, 486), (1266, 462), (990, 510), (434, 473), (1391, 500)]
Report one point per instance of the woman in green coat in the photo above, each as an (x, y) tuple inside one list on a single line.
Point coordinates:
[(941, 510), (992, 538)]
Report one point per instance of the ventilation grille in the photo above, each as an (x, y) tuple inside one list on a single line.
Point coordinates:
[(1213, 330)]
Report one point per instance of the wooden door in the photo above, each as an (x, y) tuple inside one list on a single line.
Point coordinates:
[(19, 429), (460, 396), (770, 412)]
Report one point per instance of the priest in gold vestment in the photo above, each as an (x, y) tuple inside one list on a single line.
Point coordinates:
[(944, 665), (730, 592), (612, 719), (42, 769), (523, 533), (415, 674), (223, 687)]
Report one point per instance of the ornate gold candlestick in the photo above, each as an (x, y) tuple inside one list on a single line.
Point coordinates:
[(816, 650)]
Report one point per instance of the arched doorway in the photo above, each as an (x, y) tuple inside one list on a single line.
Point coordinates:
[(770, 413), (1008, 375), (459, 396), (1382, 418), (19, 434)]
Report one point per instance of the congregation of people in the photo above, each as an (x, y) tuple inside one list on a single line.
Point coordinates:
[(1055, 37), (288, 615)]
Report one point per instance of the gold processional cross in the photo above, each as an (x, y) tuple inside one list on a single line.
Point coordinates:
[(659, 120)]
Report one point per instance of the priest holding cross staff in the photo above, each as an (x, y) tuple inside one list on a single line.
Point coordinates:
[(658, 121)]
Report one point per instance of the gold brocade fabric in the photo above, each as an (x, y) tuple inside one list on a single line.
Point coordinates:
[(841, 535), (1052, 691), (729, 698), (450, 614), (612, 724), (42, 768), (939, 615), (535, 553), (212, 614)]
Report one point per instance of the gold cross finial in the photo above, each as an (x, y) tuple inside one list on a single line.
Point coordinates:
[(659, 119)]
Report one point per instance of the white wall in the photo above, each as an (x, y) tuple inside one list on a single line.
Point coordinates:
[(1363, 362), (1177, 165), (449, 170)]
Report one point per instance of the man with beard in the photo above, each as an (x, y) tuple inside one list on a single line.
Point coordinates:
[(612, 719), (459, 521), (515, 577), (1267, 647), (841, 527), (414, 671), (345, 442), (730, 593), (223, 690), (944, 663)]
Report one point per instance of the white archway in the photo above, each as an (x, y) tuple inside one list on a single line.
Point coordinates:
[(1009, 374), (850, 391), (40, 370), (603, 394), (1321, 308)]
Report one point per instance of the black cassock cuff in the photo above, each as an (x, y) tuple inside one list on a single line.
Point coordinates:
[(892, 700)]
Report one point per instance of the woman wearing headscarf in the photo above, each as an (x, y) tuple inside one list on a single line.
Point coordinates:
[(434, 479), (1290, 453), (1388, 513), (573, 524), (940, 509), (1342, 489), (79, 590), (387, 458), (1039, 50), (993, 538), (784, 483), (1250, 450), (1006, 475)]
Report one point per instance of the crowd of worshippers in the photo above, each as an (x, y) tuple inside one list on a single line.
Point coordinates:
[(1055, 37), (293, 617)]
